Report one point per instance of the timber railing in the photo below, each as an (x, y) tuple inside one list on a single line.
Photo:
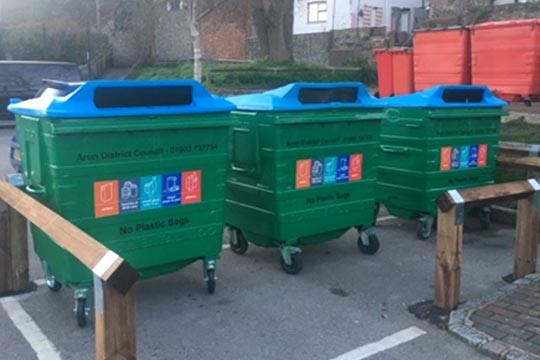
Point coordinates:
[(114, 278), (450, 218)]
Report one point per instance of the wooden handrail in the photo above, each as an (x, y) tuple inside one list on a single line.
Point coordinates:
[(107, 265), (114, 278), (450, 233)]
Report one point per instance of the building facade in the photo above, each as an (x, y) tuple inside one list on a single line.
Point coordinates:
[(316, 16)]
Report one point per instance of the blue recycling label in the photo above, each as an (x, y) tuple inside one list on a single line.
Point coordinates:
[(473, 156), (129, 195), (150, 192), (330, 168), (170, 189), (342, 173), (317, 170), (456, 152), (464, 157)]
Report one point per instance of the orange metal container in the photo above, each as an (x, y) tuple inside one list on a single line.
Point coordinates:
[(442, 57), (506, 57), (384, 72), (402, 71)]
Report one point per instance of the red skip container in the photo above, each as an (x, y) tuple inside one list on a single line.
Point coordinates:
[(442, 57), (395, 71), (506, 57)]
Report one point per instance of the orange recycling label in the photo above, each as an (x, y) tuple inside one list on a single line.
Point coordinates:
[(191, 187), (106, 198), (355, 167), (303, 173), (446, 158), (482, 155)]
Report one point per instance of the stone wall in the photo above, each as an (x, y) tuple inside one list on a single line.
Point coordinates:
[(173, 35), (336, 47), (312, 48), (465, 12)]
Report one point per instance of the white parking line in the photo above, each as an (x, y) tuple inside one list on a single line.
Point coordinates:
[(40, 282), (43, 347), (386, 343), (386, 218)]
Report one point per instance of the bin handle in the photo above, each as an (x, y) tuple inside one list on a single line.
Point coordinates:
[(412, 125), (397, 149), (35, 189), (250, 169)]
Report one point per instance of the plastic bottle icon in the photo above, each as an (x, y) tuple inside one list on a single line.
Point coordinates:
[(106, 193), (343, 164), (304, 169), (192, 182)]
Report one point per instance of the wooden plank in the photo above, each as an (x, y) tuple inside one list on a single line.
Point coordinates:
[(448, 260), (110, 267), (115, 323), (486, 195), (518, 149), (526, 237), (525, 163), (14, 277)]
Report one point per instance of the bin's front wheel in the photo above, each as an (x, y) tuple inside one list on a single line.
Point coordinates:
[(238, 242), (211, 280), (80, 310), (294, 267), (372, 245), (52, 284), (423, 230)]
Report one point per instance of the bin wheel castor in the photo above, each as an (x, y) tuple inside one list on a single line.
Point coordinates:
[(376, 211), (53, 285), (211, 281), (372, 247), (296, 264), (423, 231), (80, 310), (485, 219), (239, 246), (527, 102)]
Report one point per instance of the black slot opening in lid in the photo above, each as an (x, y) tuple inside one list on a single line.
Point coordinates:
[(138, 96), (463, 95), (325, 96)]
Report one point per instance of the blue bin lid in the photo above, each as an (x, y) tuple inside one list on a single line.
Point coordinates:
[(122, 98), (448, 96), (304, 96)]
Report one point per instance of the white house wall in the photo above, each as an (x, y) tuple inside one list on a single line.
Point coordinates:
[(343, 14)]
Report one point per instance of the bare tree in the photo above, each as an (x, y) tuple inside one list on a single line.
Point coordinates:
[(273, 22)]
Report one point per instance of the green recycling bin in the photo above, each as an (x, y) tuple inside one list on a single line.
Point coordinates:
[(138, 165), (302, 168), (436, 140)]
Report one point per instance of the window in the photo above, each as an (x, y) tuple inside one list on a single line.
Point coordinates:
[(317, 12)]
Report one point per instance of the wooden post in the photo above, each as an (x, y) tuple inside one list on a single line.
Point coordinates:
[(115, 322), (526, 236), (448, 261), (13, 252)]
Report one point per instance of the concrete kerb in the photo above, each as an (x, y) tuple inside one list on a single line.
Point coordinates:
[(461, 326)]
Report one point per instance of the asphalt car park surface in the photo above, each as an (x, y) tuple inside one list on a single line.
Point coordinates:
[(341, 302)]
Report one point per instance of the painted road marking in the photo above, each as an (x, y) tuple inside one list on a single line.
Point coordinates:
[(386, 343), (386, 218), (43, 347), (40, 282)]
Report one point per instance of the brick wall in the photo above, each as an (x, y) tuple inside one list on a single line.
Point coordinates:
[(225, 30)]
